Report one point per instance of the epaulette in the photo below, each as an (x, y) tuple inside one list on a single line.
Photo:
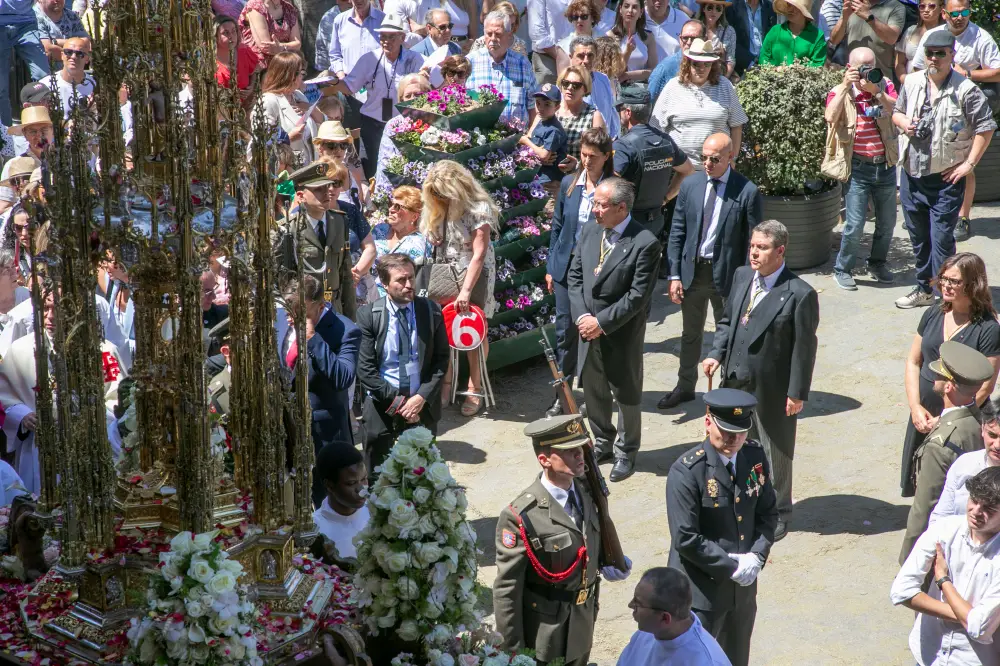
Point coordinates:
[(524, 501), (752, 442), (692, 458)]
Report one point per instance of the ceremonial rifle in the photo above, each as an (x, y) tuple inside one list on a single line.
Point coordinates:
[(611, 547)]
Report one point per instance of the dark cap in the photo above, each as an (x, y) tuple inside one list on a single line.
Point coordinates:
[(633, 95), (549, 91), (220, 331), (961, 364), (731, 409), (558, 432), (940, 38), (311, 175), (35, 93)]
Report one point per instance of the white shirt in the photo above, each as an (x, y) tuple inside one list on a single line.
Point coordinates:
[(547, 23), (607, 22), (975, 572), (381, 78), (707, 249), (666, 33), (341, 529), (974, 49), (586, 203), (84, 89), (955, 497), (695, 647), (411, 10), (558, 494), (768, 283)]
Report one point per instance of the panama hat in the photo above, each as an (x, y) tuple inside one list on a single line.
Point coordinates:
[(391, 24), (33, 115), (19, 167), (333, 130), (702, 50), (781, 6)]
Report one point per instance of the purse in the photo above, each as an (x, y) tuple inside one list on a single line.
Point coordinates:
[(441, 281)]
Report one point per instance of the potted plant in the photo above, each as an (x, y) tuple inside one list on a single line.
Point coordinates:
[(782, 150)]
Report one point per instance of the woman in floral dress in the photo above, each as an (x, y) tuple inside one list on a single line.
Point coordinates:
[(399, 234)]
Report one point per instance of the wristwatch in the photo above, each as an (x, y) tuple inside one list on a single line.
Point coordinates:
[(870, 18), (942, 580)]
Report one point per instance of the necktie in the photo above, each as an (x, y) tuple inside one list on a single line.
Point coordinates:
[(293, 353), (607, 245), (403, 329), (755, 295), (321, 233), (732, 470), (713, 198), (573, 509)]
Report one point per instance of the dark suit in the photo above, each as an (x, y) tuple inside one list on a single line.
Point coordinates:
[(432, 352), (705, 281), (562, 243), (618, 296), (737, 16), (710, 515), (771, 356)]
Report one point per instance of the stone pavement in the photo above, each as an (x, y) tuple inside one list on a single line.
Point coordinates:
[(824, 594)]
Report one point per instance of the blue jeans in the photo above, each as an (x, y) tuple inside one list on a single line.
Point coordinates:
[(25, 38), (879, 182), (930, 206)]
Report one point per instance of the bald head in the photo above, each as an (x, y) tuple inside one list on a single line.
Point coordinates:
[(716, 154), (717, 142), (862, 56)]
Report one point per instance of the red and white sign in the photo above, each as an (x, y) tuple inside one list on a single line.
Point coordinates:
[(466, 330)]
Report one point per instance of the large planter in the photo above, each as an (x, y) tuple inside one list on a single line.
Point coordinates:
[(810, 220), (429, 155), (520, 348), (988, 174), (483, 117)]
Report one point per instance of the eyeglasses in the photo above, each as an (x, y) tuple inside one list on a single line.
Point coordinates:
[(963, 12), (443, 26), (928, 6), (711, 159), (950, 282), (936, 53), (579, 17), (572, 85), (715, 8), (699, 64), (395, 205), (635, 603), (73, 53), (686, 40), (334, 145), (21, 228)]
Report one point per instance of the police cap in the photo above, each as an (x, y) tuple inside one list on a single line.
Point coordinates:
[(731, 409), (311, 175), (939, 38), (558, 432), (633, 95), (961, 364)]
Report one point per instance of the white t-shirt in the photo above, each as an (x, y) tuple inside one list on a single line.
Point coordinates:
[(974, 49), (666, 33), (84, 89), (341, 529)]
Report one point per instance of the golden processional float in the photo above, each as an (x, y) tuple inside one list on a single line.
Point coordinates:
[(193, 183)]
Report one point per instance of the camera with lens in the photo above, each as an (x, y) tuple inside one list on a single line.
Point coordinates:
[(924, 128), (871, 74)]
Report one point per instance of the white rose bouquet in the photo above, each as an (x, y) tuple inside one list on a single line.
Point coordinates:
[(199, 612), (417, 553), (468, 648)]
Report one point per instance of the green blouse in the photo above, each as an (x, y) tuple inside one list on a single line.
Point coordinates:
[(781, 47)]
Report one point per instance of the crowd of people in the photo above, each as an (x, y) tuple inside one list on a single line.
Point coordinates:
[(633, 111)]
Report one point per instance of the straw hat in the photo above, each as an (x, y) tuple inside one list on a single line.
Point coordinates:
[(17, 167), (333, 130), (702, 50), (391, 24), (33, 115), (781, 6)]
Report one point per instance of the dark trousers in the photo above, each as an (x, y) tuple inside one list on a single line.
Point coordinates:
[(651, 219), (732, 628), (780, 455), (567, 337), (694, 312), (601, 400), (382, 430), (371, 136), (930, 207)]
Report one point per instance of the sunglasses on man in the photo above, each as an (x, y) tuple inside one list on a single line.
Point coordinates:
[(711, 159), (73, 53), (443, 26), (961, 12), (936, 53)]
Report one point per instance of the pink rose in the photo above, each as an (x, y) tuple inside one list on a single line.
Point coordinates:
[(468, 660)]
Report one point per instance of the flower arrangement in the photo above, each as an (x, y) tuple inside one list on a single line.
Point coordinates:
[(469, 648), (199, 613), (488, 95), (546, 315), (525, 226), (505, 269), (497, 164), (522, 193), (420, 133), (417, 553), (399, 166), (520, 298), (540, 255), (454, 99)]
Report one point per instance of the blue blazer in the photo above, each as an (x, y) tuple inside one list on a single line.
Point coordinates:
[(736, 15), (562, 242), (333, 359)]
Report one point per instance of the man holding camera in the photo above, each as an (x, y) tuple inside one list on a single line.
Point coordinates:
[(859, 110), (947, 125)]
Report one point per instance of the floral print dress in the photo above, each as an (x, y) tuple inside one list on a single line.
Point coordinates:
[(458, 248), (415, 246), (280, 31)]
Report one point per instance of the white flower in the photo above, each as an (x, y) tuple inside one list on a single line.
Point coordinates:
[(223, 626), (403, 515), (522, 660), (182, 544), (408, 588), (428, 553), (176, 583), (199, 654), (432, 611), (194, 608), (204, 540), (232, 566), (444, 660), (421, 495), (447, 500), (426, 525), (438, 595), (405, 454), (499, 659), (467, 533), (408, 630), (387, 621), (177, 650), (222, 581), (419, 438), (196, 634), (439, 475), (440, 634), (383, 498), (439, 573), (396, 562), (237, 651), (466, 584), (200, 570), (389, 471)]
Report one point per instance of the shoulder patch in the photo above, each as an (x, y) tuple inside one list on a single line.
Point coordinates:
[(691, 459), (508, 538)]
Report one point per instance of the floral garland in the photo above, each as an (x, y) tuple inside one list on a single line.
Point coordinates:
[(522, 193), (417, 553), (199, 612)]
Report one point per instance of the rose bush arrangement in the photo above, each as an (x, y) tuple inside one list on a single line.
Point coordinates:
[(420, 133), (455, 99), (199, 612)]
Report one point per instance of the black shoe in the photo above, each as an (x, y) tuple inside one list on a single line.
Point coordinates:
[(603, 456), (780, 531), (963, 230), (624, 468), (556, 409), (674, 398)]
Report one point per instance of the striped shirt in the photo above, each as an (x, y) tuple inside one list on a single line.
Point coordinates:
[(867, 140), (689, 114)]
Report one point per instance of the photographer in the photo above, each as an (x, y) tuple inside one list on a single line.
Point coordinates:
[(947, 126), (859, 110)]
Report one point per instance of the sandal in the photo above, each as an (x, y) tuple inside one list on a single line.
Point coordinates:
[(472, 405)]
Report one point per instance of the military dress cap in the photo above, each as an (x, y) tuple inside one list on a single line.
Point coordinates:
[(633, 95), (939, 38), (962, 364), (558, 432), (731, 409), (311, 175)]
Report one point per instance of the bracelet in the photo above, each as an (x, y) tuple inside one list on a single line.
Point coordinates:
[(972, 165)]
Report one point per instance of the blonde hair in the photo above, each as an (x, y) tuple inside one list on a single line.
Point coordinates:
[(450, 191), (412, 79), (579, 71), (509, 9), (609, 60), (337, 171), (410, 196)]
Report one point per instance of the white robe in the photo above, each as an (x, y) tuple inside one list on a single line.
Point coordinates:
[(20, 320)]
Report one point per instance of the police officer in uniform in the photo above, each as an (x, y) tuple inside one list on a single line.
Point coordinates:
[(644, 156), (324, 234), (722, 511), (221, 382), (961, 371), (548, 544)]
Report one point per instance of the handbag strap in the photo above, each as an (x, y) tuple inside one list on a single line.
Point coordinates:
[(444, 243)]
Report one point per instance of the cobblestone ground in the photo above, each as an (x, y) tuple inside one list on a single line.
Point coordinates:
[(824, 594)]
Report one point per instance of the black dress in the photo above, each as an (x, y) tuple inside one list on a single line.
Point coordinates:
[(983, 336)]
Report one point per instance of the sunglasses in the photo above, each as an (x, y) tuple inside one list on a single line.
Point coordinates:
[(334, 145), (395, 205), (963, 12), (443, 26), (21, 228), (698, 64), (684, 40), (711, 159), (579, 17), (73, 53), (923, 7), (936, 53), (572, 85), (715, 8)]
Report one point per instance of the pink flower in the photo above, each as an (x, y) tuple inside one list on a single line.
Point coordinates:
[(468, 660)]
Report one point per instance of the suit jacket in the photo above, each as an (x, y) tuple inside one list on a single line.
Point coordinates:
[(433, 353), (710, 516), (776, 361), (741, 207), (736, 15), (562, 241), (333, 358), (525, 615), (619, 297)]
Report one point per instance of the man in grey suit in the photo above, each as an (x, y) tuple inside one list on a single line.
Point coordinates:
[(716, 209), (766, 345), (611, 281)]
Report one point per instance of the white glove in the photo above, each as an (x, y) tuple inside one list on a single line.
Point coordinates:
[(612, 574), (748, 567)]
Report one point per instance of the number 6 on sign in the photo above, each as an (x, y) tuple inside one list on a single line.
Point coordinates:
[(466, 330)]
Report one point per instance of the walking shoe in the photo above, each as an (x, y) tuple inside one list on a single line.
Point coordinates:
[(881, 273), (555, 409), (674, 398), (915, 299), (845, 281), (963, 230)]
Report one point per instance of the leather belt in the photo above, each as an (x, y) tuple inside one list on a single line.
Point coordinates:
[(702, 261), (878, 159), (578, 597)]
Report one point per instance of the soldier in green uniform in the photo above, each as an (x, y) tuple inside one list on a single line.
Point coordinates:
[(548, 544), (322, 228), (219, 385), (961, 371)]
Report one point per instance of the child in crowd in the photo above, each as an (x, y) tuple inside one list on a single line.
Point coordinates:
[(547, 136)]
